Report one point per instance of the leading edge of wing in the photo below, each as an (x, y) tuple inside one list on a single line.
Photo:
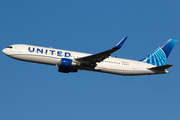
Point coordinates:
[(102, 55)]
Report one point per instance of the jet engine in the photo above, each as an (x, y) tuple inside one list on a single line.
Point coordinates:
[(66, 64)]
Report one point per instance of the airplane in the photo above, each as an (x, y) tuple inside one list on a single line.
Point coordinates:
[(71, 61)]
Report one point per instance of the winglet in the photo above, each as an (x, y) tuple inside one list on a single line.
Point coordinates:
[(120, 44)]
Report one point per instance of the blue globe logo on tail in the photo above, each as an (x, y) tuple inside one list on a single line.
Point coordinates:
[(159, 56)]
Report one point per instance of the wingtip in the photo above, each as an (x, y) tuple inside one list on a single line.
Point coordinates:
[(120, 44)]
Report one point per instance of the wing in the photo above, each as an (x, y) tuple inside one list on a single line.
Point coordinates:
[(101, 56)]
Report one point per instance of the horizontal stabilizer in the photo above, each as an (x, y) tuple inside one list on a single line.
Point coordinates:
[(161, 68)]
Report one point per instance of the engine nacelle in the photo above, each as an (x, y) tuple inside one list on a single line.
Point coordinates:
[(66, 69), (68, 62)]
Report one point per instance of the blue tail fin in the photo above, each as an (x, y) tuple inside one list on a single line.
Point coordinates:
[(159, 56)]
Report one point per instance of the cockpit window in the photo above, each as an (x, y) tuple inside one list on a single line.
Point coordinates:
[(9, 47)]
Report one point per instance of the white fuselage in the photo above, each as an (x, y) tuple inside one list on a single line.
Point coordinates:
[(51, 56)]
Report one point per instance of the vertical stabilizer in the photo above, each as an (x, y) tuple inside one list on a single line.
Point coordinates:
[(159, 56)]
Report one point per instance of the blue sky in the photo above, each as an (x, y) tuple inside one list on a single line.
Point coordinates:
[(34, 91)]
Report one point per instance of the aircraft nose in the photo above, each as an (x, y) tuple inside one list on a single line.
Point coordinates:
[(4, 51)]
